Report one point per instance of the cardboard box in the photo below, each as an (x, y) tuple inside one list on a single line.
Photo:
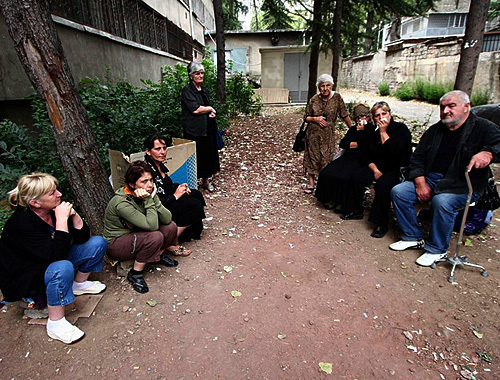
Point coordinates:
[(181, 163)]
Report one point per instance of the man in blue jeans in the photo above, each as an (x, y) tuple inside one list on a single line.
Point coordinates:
[(459, 141)]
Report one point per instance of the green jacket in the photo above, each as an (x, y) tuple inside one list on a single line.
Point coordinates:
[(125, 214)]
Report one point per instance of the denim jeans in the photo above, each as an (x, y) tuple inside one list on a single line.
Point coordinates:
[(444, 207), (60, 274)]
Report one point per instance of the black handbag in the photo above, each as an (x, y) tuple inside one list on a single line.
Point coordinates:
[(490, 200), (299, 144)]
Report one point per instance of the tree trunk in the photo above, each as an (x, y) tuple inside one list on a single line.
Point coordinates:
[(471, 46), (221, 52), (315, 44), (393, 34), (40, 52), (369, 32), (336, 50), (256, 15)]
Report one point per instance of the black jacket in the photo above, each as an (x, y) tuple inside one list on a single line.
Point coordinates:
[(195, 125), (478, 135), (28, 247), (391, 155)]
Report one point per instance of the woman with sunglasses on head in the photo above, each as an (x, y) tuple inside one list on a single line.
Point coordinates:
[(200, 125)]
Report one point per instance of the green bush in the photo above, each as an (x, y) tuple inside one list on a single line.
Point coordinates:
[(121, 116), (479, 97), (405, 92), (383, 89), (432, 92)]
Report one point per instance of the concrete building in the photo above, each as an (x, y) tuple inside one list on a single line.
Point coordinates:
[(114, 40), (243, 47), (428, 49)]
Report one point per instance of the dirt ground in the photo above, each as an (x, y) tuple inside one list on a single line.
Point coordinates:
[(276, 286)]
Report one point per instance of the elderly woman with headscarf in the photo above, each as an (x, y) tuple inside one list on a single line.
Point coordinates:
[(333, 187), (321, 114), (199, 124)]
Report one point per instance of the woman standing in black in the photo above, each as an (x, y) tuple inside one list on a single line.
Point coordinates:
[(199, 125)]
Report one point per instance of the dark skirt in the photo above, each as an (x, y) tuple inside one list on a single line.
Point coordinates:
[(188, 210), (207, 154), (334, 179)]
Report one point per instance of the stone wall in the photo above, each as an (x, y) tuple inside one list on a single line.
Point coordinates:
[(433, 62)]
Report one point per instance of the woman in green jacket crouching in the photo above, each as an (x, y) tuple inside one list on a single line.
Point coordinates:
[(137, 226)]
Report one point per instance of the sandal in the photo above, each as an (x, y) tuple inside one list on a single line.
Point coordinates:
[(138, 283), (308, 190), (181, 251)]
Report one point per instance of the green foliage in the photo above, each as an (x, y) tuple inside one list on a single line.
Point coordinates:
[(494, 9), (240, 97), (479, 97), (230, 11), (13, 139), (422, 90), (121, 117), (276, 15), (383, 89), (405, 92)]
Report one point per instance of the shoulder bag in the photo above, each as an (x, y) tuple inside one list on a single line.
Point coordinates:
[(300, 140)]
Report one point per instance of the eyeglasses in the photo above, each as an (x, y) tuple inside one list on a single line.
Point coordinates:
[(198, 73)]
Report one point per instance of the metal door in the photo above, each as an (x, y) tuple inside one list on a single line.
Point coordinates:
[(297, 75)]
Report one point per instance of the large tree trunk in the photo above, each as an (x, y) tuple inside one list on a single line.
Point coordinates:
[(221, 52), (315, 45), (336, 50), (40, 52), (369, 32), (471, 46)]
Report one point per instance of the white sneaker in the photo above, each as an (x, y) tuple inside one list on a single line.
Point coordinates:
[(427, 259), (64, 331), (403, 245), (93, 287)]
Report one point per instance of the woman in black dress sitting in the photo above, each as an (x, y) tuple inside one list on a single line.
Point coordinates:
[(333, 181), (185, 204), (385, 150)]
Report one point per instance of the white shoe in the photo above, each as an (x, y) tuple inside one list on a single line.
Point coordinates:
[(403, 245), (64, 331), (95, 287), (427, 259)]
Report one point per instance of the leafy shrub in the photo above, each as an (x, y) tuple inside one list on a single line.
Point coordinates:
[(383, 89), (121, 116), (405, 92), (479, 97), (432, 92)]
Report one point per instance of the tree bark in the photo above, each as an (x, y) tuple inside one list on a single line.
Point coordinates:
[(315, 45), (336, 50), (221, 52), (471, 45), (40, 52), (369, 32)]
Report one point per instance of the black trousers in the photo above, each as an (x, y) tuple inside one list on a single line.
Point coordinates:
[(379, 212)]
